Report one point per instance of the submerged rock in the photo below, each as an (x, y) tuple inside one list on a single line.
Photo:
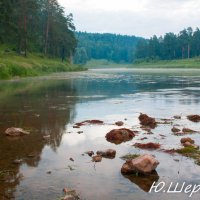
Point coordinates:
[(194, 118), (119, 123), (187, 130), (13, 132), (145, 120), (149, 145), (109, 153), (175, 130), (144, 164), (86, 122), (96, 158), (117, 136)]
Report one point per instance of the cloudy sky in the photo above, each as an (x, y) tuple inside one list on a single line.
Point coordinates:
[(134, 17)]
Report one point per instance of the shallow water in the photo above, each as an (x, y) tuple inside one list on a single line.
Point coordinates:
[(53, 104)]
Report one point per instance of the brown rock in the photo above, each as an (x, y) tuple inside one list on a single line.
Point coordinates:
[(144, 164), (86, 122), (194, 118), (117, 136), (187, 130), (184, 140), (145, 120), (119, 123), (70, 194), (13, 132), (96, 158), (75, 126), (109, 153), (175, 130), (188, 144), (149, 145)]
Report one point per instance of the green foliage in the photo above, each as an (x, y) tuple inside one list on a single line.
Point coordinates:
[(112, 47), (181, 46), (37, 26), (80, 56)]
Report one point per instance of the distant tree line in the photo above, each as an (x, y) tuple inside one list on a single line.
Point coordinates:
[(112, 47), (37, 26), (186, 44)]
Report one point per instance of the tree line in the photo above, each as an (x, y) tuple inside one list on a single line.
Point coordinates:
[(185, 44), (112, 47), (37, 26)]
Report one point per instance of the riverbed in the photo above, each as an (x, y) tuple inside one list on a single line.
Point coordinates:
[(51, 105)]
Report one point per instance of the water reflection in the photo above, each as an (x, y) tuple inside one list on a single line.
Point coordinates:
[(36, 106), (51, 105), (144, 182)]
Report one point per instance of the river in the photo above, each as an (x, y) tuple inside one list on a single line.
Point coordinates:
[(51, 105)]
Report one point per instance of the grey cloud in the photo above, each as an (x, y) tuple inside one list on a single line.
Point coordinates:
[(140, 24)]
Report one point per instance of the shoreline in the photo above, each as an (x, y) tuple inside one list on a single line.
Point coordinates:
[(15, 66)]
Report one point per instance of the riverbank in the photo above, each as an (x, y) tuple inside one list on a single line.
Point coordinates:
[(13, 65), (181, 63)]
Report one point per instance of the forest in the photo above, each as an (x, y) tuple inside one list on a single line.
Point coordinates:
[(39, 26), (184, 45), (112, 47)]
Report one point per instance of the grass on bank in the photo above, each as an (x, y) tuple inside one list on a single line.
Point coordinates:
[(181, 63), (14, 65)]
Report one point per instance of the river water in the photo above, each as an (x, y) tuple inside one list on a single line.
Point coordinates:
[(51, 105)]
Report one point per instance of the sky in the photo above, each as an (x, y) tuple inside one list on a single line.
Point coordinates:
[(143, 18)]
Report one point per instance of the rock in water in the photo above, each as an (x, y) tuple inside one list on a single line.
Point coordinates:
[(149, 145), (119, 123), (145, 120), (117, 136), (109, 153), (13, 132), (184, 140), (144, 164), (96, 158), (175, 130), (194, 118)]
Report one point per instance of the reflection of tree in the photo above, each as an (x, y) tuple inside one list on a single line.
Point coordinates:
[(143, 181), (42, 108)]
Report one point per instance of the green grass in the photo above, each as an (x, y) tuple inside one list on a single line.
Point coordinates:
[(181, 63), (129, 156), (190, 152), (14, 65)]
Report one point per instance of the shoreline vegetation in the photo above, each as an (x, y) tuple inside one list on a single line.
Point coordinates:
[(181, 63), (13, 65)]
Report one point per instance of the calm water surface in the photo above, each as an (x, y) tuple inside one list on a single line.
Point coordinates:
[(53, 104)]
